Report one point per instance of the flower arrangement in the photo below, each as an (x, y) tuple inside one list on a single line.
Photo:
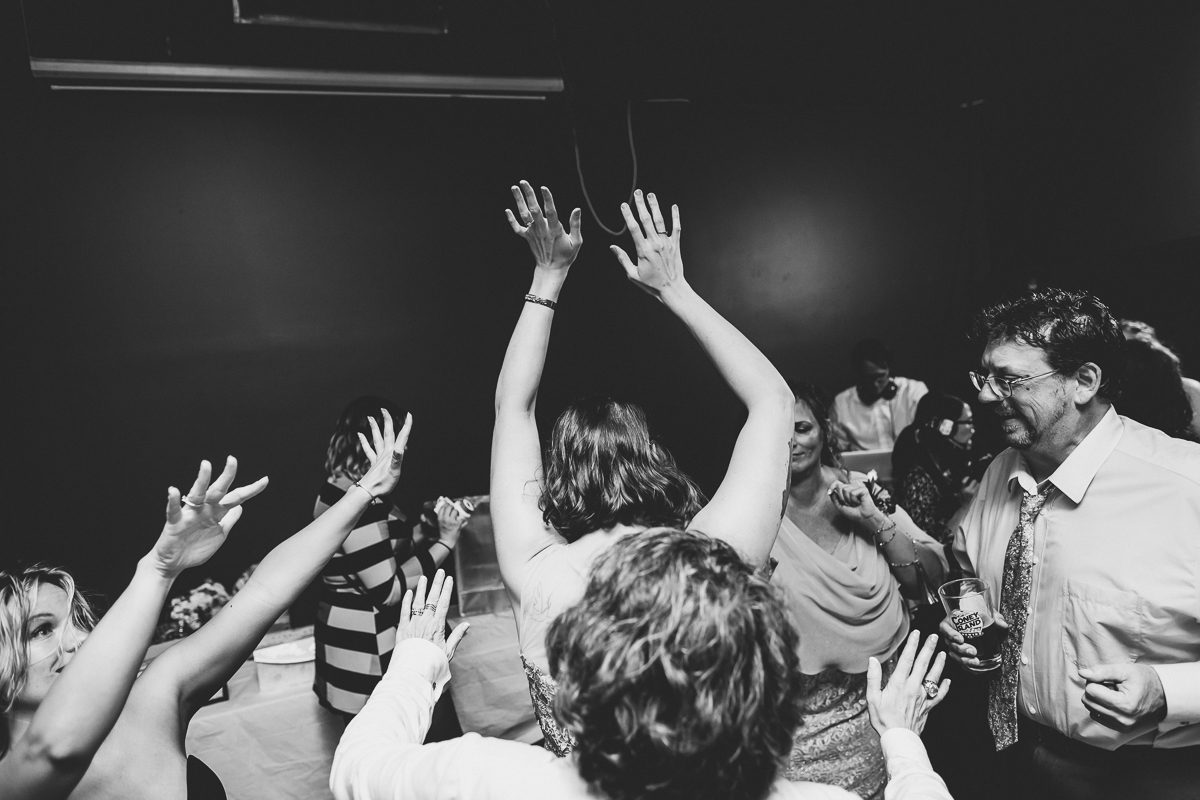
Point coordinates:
[(190, 611)]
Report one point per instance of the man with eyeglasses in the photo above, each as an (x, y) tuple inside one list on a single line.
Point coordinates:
[(1087, 532)]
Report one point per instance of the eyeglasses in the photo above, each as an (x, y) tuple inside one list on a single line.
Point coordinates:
[(1002, 387)]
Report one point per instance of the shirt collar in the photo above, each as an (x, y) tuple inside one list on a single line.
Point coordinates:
[(1074, 476)]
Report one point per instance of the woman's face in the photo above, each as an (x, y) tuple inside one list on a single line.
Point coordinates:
[(53, 641), (965, 428), (806, 440)]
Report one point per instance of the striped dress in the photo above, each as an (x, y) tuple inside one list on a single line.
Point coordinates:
[(355, 629)]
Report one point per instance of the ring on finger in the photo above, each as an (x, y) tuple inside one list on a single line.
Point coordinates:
[(187, 501), (418, 612), (931, 688), (430, 607)]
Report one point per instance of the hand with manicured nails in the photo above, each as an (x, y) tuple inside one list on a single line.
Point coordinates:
[(554, 248), (659, 266), (904, 703), (419, 621), (854, 502), (1123, 696), (196, 529), (386, 454)]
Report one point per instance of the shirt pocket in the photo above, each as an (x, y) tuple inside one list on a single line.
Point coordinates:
[(1101, 625)]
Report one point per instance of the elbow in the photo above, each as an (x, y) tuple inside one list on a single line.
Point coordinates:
[(64, 755)]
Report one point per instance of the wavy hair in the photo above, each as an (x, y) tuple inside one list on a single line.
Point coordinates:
[(345, 456), (17, 595), (603, 469), (812, 396), (1071, 327), (678, 673)]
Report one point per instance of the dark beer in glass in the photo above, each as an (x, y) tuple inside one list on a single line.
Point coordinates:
[(970, 611)]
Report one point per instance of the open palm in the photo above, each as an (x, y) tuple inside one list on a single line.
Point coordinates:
[(553, 246), (199, 522)]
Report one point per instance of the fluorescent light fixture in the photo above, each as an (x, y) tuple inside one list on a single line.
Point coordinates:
[(207, 74)]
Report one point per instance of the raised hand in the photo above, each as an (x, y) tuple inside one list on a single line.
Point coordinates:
[(386, 454), (424, 617), (913, 690), (450, 519), (659, 265), (198, 523), (853, 500), (553, 247)]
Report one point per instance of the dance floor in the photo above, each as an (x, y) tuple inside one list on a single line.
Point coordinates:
[(277, 743)]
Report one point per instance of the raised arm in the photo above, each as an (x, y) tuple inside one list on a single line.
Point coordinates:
[(748, 506), (516, 450), (196, 667), (86, 699)]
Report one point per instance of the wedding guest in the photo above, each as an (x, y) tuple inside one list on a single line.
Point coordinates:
[(678, 677), (1087, 531), (847, 558), (602, 476), (1154, 391), (143, 756), (64, 679), (871, 414), (936, 474), (362, 584)]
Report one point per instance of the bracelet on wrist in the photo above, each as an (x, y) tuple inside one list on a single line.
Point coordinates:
[(374, 499), (890, 525), (916, 555), (541, 301)]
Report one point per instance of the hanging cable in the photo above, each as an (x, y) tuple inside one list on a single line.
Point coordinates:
[(568, 95), (583, 186)]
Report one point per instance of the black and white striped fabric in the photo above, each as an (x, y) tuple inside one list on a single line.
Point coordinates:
[(355, 629)]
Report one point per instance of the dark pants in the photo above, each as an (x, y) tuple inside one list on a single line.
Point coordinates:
[(1066, 769)]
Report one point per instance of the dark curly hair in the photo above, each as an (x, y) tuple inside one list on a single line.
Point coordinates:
[(345, 456), (603, 469), (678, 673), (1072, 327), (812, 396)]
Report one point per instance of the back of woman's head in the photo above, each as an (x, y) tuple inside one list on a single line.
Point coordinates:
[(603, 469), (1152, 392), (935, 407), (18, 593), (345, 457), (677, 672)]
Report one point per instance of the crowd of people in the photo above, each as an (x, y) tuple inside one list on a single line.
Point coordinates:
[(768, 641)]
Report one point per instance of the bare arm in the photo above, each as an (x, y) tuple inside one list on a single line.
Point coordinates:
[(193, 669), (87, 698), (516, 450), (748, 506)]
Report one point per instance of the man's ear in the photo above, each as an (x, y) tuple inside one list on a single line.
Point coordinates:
[(1087, 383)]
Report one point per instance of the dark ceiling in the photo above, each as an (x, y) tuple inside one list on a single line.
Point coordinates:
[(894, 54)]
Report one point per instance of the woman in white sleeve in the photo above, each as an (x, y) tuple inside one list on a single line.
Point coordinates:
[(678, 677)]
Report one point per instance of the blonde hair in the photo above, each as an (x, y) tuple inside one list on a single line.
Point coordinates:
[(17, 596)]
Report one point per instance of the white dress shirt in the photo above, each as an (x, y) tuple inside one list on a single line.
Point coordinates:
[(876, 426), (1116, 574), (380, 756)]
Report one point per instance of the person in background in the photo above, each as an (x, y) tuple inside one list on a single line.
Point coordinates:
[(603, 477), (846, 558), (871, 414), (143, 757), (935, 473), (64, 679), (678, 678), (1154, 391), (363, 583), (1087, 531)]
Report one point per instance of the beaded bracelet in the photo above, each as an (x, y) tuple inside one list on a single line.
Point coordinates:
[(541, 301), (916, 555), (890, 525)]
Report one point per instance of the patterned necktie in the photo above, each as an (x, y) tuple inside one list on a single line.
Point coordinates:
[(1014, 605)]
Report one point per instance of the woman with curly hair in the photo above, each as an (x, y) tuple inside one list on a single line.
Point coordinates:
[(678, 679), (846, 559), (602, 477)]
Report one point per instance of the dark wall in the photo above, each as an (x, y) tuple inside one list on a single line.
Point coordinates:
[(195, 275)]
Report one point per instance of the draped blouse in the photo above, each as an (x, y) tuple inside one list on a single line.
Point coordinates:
[(846, 604)]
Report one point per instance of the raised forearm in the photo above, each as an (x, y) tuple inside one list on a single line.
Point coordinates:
[(748, 372), (526, 355), (902, 546)]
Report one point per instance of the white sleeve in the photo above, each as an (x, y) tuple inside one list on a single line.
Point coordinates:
[(380, 756), (910, 775)]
